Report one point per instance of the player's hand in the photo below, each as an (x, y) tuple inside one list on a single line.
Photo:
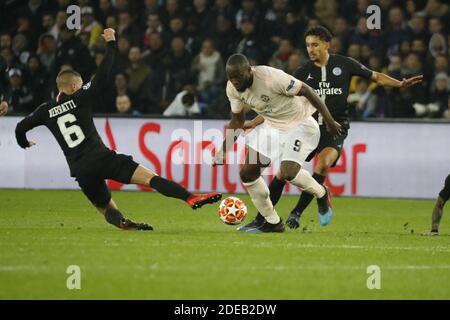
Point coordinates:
[(406, 83), (3, 108), (248, 126), (109, 34), (335, 129), (31, 143), (219, 159)]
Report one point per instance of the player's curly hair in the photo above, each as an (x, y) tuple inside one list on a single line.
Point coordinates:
[(323, 33)]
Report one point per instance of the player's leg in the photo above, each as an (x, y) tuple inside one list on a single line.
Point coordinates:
[(275, 190), (168, 188), (326, 158), (122, 168), (97, 192), (259, 193), (438, 210), (299, 143)]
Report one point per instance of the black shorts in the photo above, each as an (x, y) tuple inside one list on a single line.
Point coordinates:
[(328, 141), (445, 193), (110, 165)]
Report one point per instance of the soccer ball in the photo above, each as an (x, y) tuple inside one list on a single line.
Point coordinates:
[(232, 210)]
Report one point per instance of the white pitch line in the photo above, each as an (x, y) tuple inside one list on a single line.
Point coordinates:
[(189, 268)]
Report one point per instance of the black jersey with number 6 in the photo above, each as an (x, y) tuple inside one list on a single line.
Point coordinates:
[(332, 82), (69, 118)]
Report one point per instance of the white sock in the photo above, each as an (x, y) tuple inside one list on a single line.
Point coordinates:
[(260, 194), (305, 181)]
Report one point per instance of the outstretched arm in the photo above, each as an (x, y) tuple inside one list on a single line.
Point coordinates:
[(102, 75), (387, 81)]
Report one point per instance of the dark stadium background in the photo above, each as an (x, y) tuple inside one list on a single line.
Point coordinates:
[(161, 46)]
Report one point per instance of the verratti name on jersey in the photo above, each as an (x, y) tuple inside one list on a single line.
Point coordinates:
[(66, 106)]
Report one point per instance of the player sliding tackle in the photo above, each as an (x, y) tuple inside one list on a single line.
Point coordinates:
[(289, 132), (69, 119)]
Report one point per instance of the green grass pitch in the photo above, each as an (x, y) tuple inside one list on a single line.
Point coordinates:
[(193, 255)]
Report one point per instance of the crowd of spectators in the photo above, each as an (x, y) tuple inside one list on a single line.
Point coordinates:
[(172, 52)]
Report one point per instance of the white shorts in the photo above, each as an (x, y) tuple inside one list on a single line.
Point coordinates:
[(294, 144)]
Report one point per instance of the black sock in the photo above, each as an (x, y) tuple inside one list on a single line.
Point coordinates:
[(276, 190), (169, 188), (113, 216), (305, 197)]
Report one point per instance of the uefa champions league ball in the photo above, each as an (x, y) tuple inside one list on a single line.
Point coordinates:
[(232, 210)]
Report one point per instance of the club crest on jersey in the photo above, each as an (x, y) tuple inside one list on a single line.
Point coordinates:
[(87, 85), (290, 86), (265, 98), (337, 71)]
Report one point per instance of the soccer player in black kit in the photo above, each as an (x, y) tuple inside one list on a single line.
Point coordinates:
[(330, 75), (69, 118), (438, 210)]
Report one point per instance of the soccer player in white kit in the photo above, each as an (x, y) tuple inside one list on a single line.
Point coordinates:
[(289, 132)]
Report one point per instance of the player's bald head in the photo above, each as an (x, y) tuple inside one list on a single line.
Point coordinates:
[(239, 72), (238, 61), (68, 79)]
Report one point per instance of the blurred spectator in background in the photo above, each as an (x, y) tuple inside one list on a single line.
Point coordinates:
[(184, 105), (446, 114), (19, 97), (225, 35), (249, 45), (138, 75), (280, 58), (208, 67), (249, 11), (90, 26), (5, 40), (154, 26), (200, 19), (363, 102), (124, 105), (171, 9), (439, 95), (72, 51), (414, 39), (49, 25), (295, 60), (20, 47), (157, 52), (37, 80), (441, 64), (437, 46), (105, 10), (326, 10), (126, 28)]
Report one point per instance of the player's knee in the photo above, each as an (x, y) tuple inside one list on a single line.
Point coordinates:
[(447, 182), (248, 174), (324, 166), (289, 171)]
